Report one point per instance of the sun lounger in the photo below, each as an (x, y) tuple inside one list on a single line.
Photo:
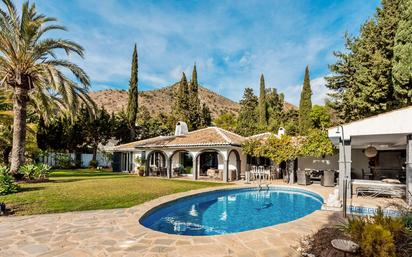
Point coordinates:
[(375, 188)]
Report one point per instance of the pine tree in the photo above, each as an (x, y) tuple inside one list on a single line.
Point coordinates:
[(305, 105), (248, 121), (263, 108), (206, 117), (402, 62), (133, 103), (362, 82)]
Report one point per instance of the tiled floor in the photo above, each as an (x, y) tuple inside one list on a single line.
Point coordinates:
[(118, 233)]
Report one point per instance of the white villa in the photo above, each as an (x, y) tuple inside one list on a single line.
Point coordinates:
[(375, 154), (185, 154)]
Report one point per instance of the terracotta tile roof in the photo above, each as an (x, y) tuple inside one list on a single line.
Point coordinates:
[(203, 137)]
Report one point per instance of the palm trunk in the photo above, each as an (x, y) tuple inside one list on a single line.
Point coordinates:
[(20, 99)]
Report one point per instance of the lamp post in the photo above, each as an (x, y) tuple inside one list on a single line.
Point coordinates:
[(345, 179)]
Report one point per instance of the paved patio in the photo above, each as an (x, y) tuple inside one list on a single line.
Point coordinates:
[(118, 233)]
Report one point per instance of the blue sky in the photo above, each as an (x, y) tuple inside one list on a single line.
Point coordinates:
[(232, 42)]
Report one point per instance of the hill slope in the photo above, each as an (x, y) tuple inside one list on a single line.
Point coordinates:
[(160, 100)]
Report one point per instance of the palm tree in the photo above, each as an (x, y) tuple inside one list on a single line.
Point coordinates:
[(30, 68)]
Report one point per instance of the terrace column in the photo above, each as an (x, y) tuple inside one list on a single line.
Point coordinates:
[(226, 170), (194, 165), (345, 160), (169, 166), (409, 169)]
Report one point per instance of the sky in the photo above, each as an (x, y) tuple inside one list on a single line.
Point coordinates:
[(231, 42)]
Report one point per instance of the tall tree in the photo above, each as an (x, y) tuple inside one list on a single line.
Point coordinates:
[(96, 129), (133, 101), (263, 107), (362, 80), (305, 105), (248, 121), (275, 103), (402, 61), (180, 109), (195, 108), (29, 66)]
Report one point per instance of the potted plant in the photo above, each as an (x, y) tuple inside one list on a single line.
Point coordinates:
[(140, 171), (141, 168)]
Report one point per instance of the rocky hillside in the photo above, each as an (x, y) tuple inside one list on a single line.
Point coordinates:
[(160, 100)]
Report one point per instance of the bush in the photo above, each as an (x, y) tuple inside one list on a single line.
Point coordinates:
[(42, 171), (64, 161), (379, 235), (7, 183), (377, 241), (35, 172), (28, 171), (93, 164)]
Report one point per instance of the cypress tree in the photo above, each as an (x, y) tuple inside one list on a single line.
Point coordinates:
[(195, 108), (194, 84), (133, 103), (181, 100), (402, 63), (263, 109), (305, 105)]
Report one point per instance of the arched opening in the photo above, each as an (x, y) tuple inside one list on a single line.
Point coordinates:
[(234, 165), (156, 163), (181, 163), (210, 164)]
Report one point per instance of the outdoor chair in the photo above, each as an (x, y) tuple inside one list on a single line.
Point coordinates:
[(303, 177), (328, 178)]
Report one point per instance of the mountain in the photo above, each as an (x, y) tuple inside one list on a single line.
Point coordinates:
[(160, 100)]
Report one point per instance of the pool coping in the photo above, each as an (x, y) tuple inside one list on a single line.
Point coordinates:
[(158, 202)]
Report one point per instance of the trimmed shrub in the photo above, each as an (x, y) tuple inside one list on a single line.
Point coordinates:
[(7, 183)]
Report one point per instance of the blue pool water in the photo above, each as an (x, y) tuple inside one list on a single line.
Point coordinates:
[(230, 211)]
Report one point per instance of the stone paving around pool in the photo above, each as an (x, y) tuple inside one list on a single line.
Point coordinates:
[(118, 233)]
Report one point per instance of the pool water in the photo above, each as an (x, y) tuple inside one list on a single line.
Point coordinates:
[(230, 211)]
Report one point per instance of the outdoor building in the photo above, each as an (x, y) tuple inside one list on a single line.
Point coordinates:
[(212, 152), (375, 154)]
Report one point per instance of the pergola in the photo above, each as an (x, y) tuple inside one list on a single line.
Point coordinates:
[(387, 131)]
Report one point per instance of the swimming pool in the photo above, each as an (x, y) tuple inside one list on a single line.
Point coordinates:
[(230, 211)]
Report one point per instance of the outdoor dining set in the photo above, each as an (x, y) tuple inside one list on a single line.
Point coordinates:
[(304, 177)]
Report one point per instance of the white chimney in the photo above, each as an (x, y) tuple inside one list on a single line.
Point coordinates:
[(181, 129), (281, 132)]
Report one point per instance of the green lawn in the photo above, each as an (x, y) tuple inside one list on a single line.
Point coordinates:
[(76, 190)]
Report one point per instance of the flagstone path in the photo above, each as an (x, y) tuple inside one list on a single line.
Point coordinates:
[(117, 233)]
